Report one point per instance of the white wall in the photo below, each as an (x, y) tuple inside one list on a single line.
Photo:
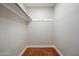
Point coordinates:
[(67, 28), (13, 33), (41, 33)]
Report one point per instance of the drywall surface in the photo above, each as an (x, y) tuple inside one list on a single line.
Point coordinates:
[(67, 28), (13, 33), (40, 30), (40, 33)]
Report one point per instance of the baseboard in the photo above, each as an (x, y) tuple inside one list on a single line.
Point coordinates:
[(30, 46), (39, 46), (23, 51), (61, 54)]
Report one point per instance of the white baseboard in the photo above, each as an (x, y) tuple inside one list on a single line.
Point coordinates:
[(22, 51), (39, 46), (61, 54), (30, 46)]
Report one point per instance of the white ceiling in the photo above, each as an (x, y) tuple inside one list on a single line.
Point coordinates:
[(39, 4)]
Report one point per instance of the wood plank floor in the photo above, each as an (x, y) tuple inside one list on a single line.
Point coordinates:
[(40, 52)]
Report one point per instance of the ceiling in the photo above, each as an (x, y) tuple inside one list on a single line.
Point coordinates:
[(40, 4)]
